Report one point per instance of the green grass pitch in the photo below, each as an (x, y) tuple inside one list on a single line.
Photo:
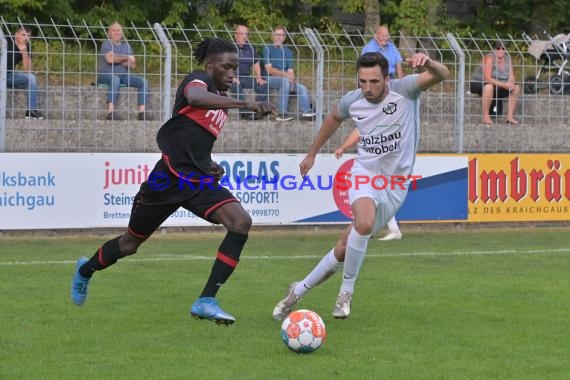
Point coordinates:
[(439, 304)]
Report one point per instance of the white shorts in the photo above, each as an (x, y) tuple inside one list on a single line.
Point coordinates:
[(388, 201)]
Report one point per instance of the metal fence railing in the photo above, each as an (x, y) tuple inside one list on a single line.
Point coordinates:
[(65, 56)]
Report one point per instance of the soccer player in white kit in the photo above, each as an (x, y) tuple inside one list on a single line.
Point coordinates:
[(387, 118), (393, 228)]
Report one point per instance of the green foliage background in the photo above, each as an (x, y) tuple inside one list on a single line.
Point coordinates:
[(505, 16)]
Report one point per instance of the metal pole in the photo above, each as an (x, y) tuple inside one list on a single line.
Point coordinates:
[(460, 115), (3, 70), (319, 95), (167, 74)]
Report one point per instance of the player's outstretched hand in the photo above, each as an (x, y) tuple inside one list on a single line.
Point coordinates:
[(418, 60), (263, 109), (306, 164), (338, 153)]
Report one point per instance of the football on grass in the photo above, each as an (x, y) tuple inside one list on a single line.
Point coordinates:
[(303, 331)]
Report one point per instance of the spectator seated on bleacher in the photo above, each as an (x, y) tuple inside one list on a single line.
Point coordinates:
[(18, 51), (278, 67), (248, 73), (494, 81), (116, 60)]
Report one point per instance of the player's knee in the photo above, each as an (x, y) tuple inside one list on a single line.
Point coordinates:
[(241, 224), (364, 227)]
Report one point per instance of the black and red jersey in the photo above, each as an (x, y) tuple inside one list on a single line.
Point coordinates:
[(186, 140)]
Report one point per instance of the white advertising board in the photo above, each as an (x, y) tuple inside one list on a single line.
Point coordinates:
[(46, 190), (75, 190)]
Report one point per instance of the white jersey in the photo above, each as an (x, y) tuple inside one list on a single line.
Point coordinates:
[(389, 131)]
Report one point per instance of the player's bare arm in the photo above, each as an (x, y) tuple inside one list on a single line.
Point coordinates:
[(350, 141), (330, 125), (200, 97)]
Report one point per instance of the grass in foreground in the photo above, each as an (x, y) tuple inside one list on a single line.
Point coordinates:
[(438, 304)]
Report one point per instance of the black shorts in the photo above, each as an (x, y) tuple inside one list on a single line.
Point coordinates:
[(476, 87), (163, 193)]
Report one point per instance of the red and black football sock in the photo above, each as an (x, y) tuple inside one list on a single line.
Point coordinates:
[(227, 259), (106, 255)]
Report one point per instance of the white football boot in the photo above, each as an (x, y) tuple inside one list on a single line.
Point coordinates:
[(342, 307), (283, 308)]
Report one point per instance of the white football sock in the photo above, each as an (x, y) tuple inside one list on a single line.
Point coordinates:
[(322, 271), (393, 225), (356, 246)]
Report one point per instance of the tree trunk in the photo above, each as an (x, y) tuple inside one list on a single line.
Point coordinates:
[(371, 15), (433, 6)]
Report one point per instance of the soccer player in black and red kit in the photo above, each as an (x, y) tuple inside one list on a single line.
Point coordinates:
[(186, 176)]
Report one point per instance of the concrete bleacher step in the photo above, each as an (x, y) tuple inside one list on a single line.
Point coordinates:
[(139, 136), (76, 124), (90, 102), (79, 102)]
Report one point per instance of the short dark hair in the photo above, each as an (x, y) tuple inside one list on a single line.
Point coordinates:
[(23, 28), (498, 45), (372, 59), (212, 46)]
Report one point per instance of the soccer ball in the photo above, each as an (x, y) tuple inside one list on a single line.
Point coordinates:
[(303, 331)]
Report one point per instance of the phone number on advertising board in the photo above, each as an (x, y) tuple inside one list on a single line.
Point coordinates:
[(264, 212)]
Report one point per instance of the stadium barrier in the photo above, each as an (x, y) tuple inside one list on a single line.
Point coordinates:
[(83, 190), (65, 61)]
